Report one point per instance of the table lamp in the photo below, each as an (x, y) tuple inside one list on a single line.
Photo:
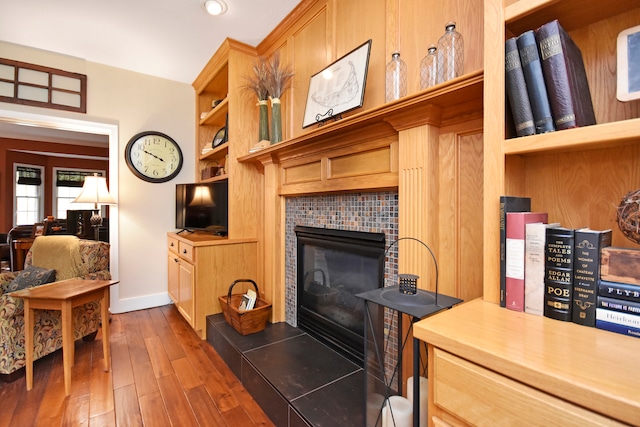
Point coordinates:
[(95, 191)]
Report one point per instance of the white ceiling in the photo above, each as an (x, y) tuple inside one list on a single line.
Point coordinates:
[(172, 39)]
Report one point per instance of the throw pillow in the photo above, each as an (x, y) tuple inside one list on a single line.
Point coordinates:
[(31, 276)]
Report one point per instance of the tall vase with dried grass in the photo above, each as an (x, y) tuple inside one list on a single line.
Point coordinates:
[(278, 81), (257, 84)]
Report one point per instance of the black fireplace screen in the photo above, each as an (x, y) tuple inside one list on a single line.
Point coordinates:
[(334, 266)]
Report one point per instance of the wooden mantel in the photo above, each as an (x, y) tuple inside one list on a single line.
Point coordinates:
[(453, 102)]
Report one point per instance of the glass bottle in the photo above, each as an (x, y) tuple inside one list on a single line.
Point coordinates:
[(396, 78), (429, 68), (450, 54)]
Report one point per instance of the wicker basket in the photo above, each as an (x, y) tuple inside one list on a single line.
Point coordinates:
[(245, 322)]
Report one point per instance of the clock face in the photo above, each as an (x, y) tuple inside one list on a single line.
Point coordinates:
[(153, 156)]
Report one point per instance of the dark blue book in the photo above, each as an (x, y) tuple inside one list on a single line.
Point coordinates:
[(620, 305), (619, 290), (617, 328), (517, 90), (534, 79)]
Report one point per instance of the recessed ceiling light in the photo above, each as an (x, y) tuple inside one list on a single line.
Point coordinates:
[(215, 7)]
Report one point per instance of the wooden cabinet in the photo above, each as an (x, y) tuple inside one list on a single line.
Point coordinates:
[(491, 366), (201, 268), (579, 176), (220, 102)]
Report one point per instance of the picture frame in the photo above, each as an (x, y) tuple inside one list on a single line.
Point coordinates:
[(221, 136), (628, 64), (338, 88), (39, 229)]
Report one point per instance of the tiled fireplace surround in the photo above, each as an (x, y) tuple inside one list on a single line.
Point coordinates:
[(375, 212)]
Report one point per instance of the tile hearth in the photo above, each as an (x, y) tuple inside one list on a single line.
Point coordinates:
[(297, 380)]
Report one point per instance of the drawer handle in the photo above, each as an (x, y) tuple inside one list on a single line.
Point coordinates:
[(176, 260), (184, 251), (171, 244)]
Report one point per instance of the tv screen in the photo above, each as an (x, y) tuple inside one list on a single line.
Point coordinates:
[(202, 206)]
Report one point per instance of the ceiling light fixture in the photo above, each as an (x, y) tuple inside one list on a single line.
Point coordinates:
[(215, 7)]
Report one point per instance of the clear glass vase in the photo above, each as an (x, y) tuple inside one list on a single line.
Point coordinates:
[(396, 78), (450, 54), (429, 68), (276, 121), (263, 124)]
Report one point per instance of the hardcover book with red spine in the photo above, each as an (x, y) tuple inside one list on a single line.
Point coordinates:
[(515, 255)]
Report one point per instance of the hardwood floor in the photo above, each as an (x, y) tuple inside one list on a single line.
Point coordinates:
[(162, 375)]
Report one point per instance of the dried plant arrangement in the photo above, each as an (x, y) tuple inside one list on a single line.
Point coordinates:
[(257, 82), (278, 76)]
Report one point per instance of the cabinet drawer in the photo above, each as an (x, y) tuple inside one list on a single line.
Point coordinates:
[(484, 398), (172, 244), (186, 251)]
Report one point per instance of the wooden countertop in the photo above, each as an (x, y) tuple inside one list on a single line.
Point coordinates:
[(207, 239), (596, 369)]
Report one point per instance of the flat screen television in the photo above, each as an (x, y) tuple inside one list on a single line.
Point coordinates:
[(203, 206)]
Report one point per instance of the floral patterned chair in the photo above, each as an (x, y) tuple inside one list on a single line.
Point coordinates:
[(69, 257)]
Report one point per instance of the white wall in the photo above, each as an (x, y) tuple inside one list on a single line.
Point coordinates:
[(134, 102)]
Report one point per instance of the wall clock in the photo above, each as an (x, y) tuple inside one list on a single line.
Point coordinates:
[(153, 156)]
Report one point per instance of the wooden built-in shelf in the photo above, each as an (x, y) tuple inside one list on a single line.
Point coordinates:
[(542, 11), (448, 103), (215, 153), (217, 115), (604, 135)]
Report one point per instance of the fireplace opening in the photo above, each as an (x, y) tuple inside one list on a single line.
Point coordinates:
[(333, 267)]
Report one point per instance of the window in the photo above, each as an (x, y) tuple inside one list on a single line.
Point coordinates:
[(28, 195), (68, 186)]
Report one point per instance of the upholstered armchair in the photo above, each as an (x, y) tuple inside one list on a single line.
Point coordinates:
[(69, 257)]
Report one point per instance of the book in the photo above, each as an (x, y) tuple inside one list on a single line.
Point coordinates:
[(536, 88), (248, 300), (515, 256), (620, 265), (508, 204), (517, 90), (558, 275), (586, 272), (619, 305), (565, 77), (619, 290), (534, 267), (626, 319), (617, 328)]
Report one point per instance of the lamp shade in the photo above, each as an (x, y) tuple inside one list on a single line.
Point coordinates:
[(202, 197), (95, 191)]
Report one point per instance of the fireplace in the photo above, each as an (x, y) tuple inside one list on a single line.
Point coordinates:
[(333, 267)]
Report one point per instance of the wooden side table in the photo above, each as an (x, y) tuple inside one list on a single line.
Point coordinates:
[(21, 247), (63, 296)]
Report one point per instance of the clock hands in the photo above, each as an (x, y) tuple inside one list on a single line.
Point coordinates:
[(151, 154)]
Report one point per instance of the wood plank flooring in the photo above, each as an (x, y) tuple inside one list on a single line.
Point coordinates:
[(162, 375)]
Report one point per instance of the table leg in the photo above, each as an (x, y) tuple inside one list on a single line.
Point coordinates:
[(29, 320), (104, 309), (67, 344)]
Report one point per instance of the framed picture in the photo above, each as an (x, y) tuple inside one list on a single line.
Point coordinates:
[(628, 50), (338, 88), (39, 229), (221, 136)]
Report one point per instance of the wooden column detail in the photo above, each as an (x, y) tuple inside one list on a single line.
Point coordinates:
[(273, 238)]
